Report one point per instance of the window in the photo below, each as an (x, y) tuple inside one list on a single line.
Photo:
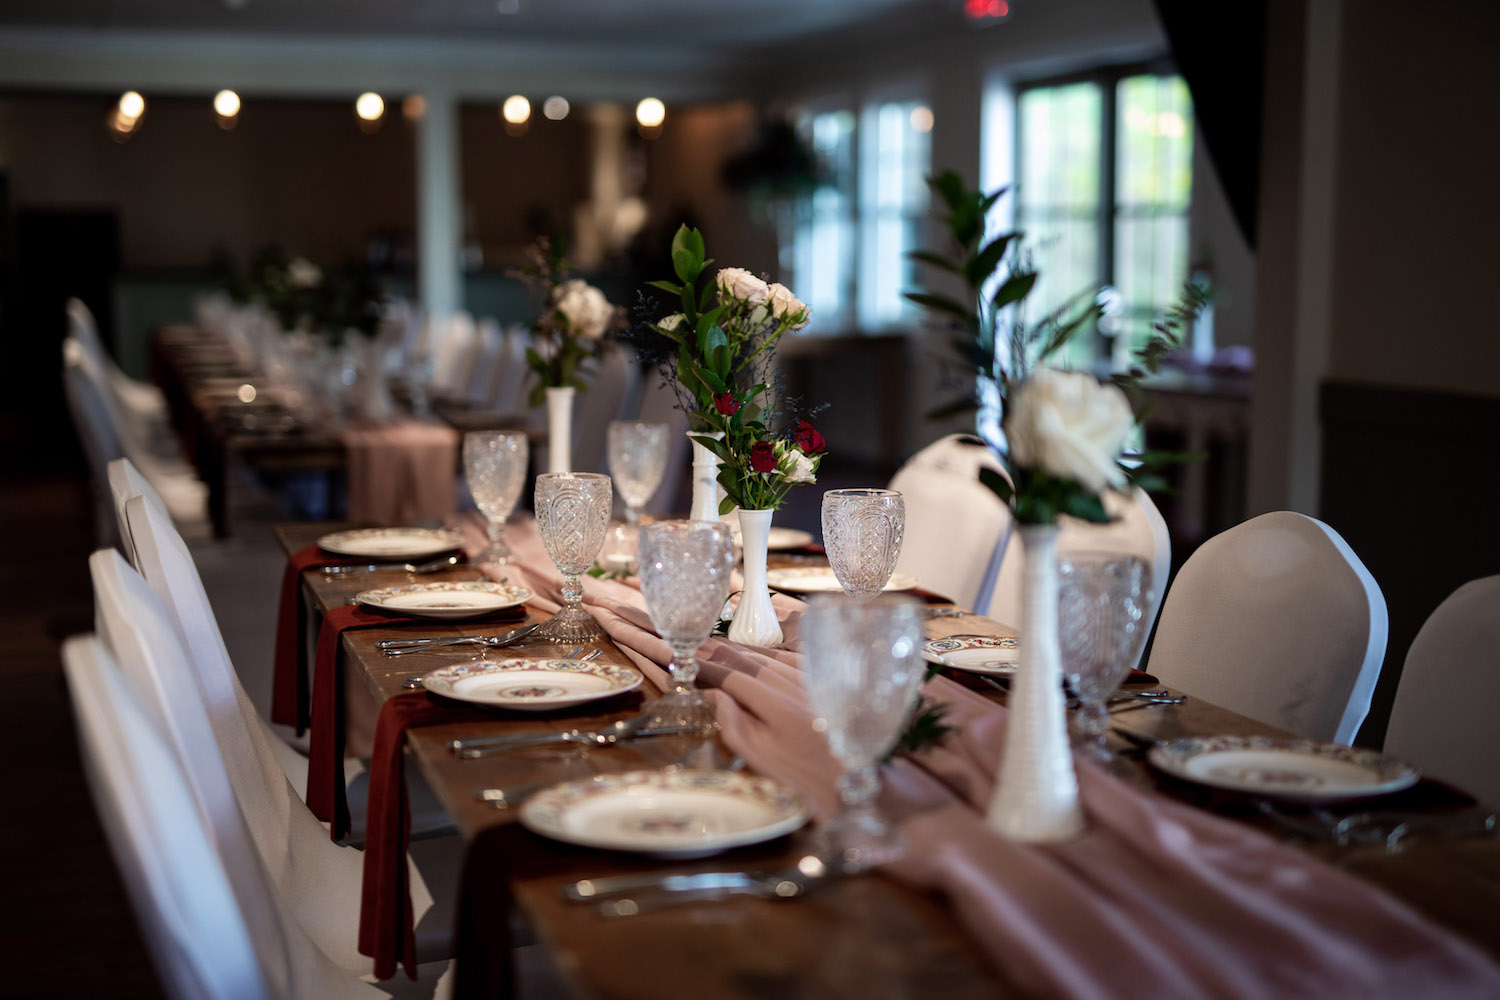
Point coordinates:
[(895, 159), (853, 234), (823, 250), (1104, 178)]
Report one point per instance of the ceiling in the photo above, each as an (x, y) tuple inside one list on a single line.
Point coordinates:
[(718, 24)]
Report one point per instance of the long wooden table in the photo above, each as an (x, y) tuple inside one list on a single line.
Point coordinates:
[(859, 938)]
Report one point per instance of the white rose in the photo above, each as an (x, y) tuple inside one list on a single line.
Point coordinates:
[(671, 323), (585, 308), (1069, 425), (796, 467), (303, 273), (739, 283), (785, 305)]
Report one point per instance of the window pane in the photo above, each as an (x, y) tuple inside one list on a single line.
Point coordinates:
[(1057, 199), (895, 161), (1154, 183), (823, 251)]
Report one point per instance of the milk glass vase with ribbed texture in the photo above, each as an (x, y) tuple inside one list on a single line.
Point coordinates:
[(755, 622), (572, 516)]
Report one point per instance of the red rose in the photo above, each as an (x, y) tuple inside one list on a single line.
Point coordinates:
[(727, 404), (762, 458), (808, 440)]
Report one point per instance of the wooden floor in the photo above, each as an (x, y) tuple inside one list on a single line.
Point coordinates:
[(66, 928)]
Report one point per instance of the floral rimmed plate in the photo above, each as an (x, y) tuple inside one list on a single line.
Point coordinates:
[(782, 539), (820, 579), (532, 685), (676, 814), (453, 599), (980, 654), (391, 543), (1282, 768)]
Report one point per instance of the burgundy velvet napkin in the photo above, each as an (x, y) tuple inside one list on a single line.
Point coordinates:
[(325, 746), (289, 689), (386, 926)]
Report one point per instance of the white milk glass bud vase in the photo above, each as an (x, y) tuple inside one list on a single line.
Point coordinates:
[(706, 495), (755, 622), (560, 428), (1036, 797)]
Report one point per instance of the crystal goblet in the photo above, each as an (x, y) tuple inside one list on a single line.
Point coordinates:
[(684, 569), (1101, 613), (572, 515), (862, 531), (637, 454), (864, 668), (495, 468)]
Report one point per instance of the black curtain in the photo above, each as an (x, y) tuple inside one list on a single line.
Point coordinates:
[(1220, 50)]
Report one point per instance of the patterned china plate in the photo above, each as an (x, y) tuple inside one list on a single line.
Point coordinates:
[(391, 543), (782, 539), (532, 685), (1283, 768), (818, 579), (978, 654), (468, 599), (675, 814)]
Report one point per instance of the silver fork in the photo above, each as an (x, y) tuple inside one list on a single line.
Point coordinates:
[(643, 893), (431, 566)]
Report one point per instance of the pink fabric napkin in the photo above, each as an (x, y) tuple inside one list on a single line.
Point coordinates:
[(401, 473), (1158, 899)]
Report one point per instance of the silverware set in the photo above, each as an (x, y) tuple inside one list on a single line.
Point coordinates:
[(431, 566), (397, 647), (631, 895), (1387, 828)]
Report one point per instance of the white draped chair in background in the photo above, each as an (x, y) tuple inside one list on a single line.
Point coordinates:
[(507, 389), (453, 355), (488, 356), (1276, 619), (658, 405), (1443, 720), (216, 928), (954, 524), (252, 810), (612, 384), (139, 405)]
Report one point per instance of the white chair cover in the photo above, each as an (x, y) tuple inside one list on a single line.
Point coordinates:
[(1443, 720), (235, 783), (659, 406), (1277, 619), (508, 388), (1138, 529), (183, 901), (454, 357), (216, 928), (954, 524), (595, 408), (489, 350), (138, 400)]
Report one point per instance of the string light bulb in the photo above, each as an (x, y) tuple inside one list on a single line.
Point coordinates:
[(227, 103), (555, 108), (132, 105), (369, 106), (650, 113), (516, 110)]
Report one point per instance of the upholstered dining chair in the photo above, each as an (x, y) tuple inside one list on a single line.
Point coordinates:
[(453, 357), (243, 797), (138, 404), (214, 925), (1277, 619), (954, 524), (1443, 719), (613, 383), (507, 392), (487, 357), (1138, 529)]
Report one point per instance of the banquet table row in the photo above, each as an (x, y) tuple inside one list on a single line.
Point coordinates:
[(860, 937)]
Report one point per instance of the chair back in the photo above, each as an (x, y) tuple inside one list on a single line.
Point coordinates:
[(508, 386), (182, 896), (1138, 529), (454, 357), (125, 482), (658, 405), (490, 346), (1276, 619), (97, 429), (1443, 719), (601, 403), (954, 524)]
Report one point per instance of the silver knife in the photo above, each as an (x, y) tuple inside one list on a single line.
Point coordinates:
[(589, 889)]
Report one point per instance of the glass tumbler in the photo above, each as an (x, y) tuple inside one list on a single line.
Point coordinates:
[(862, 531)]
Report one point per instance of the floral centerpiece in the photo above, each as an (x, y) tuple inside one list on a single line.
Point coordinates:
[(1061, 437), (725, 337), (568, 332)]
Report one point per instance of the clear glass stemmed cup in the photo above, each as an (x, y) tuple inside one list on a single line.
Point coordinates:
[(495, 468), (572, 516), (862, 531)]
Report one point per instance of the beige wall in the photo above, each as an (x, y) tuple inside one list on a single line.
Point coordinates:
[(1417, 207)]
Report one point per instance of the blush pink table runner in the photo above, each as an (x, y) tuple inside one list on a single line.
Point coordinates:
[(1158, 899), (401, 473)]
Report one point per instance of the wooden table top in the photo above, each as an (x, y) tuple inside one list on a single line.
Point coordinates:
[(858, 938)]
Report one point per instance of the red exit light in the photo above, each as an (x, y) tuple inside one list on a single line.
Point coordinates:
[(982, 9)]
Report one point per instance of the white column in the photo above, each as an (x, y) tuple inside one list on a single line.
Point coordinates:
[(439, 219)]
